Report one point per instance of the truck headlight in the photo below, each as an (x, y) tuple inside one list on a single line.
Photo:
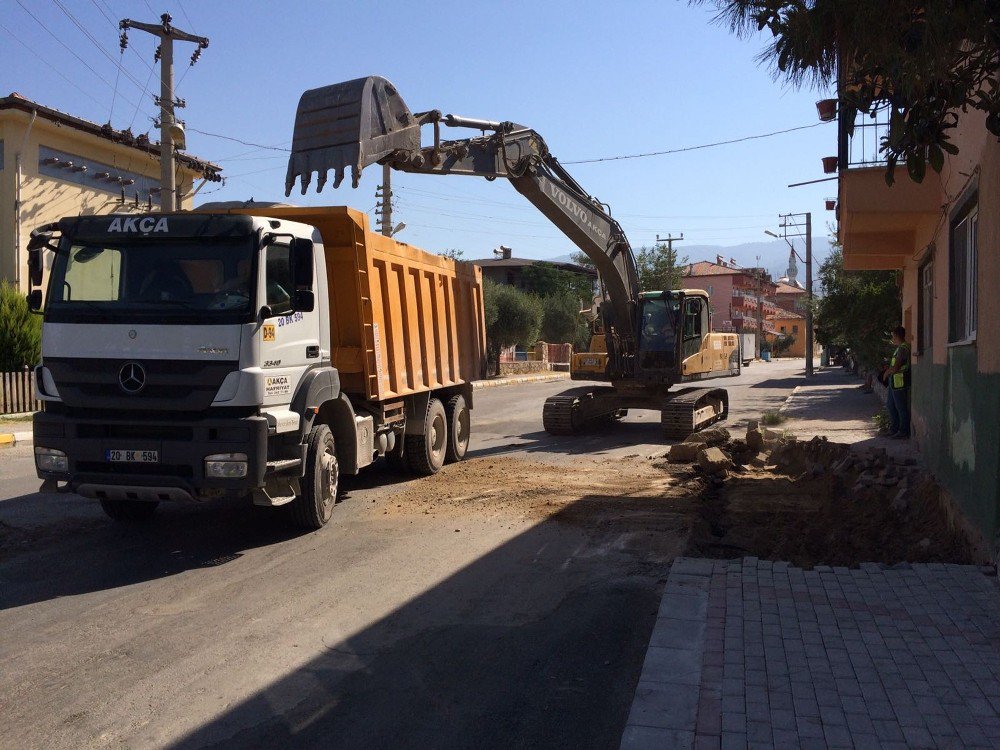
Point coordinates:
[(50, 459), (226, 465)]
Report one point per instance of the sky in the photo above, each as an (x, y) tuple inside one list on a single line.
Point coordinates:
[(595, 79)]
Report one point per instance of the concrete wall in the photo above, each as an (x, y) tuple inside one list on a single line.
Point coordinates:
[(956, 387)]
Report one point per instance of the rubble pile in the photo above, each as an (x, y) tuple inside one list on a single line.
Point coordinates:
[(816, 502)]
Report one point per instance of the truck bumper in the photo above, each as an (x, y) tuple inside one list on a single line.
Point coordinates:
[(181, 445)]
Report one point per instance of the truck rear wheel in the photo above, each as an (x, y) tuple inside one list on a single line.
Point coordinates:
[(313, 508), (459, 428), (426, 453), (129, 511)]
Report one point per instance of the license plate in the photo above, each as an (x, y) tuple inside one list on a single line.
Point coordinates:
[(590, 362), (132, 457)]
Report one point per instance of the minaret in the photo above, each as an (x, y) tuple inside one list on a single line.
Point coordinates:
[(791, 272)]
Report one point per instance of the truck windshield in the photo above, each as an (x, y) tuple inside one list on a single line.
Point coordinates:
[(204, 281)]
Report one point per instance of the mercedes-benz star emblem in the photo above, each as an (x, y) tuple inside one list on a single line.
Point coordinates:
[(132, 334), (132, 377)]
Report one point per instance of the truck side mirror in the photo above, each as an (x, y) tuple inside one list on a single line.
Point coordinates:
[(303, 300), (35, 300), (34, 265), (301, 261)]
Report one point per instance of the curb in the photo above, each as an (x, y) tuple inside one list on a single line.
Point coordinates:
[(518, 380), (665, 704), (10, 439), (788, 398)]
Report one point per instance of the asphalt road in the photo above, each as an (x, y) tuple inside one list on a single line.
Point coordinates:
[(462, 626)]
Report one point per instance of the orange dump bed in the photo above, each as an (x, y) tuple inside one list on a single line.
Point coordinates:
[(402, 320)]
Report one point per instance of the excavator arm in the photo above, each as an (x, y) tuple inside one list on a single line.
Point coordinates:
[(361, 122)]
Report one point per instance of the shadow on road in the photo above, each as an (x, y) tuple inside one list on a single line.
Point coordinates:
[(78, 555), (536, 644)]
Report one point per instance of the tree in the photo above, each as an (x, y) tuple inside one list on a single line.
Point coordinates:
[(547, 279), (512, 317), (927, 61), (782, 344), (659, 269), (454, 253), (857, 309), (562, 321), (20, 331)]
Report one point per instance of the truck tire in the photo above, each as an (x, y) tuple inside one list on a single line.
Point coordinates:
[(459, 428), (129, 511), (313, 508), (425, 453)]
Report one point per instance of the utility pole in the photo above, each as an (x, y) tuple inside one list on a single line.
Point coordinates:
[(803, 229), (669, 240), (169, 127), (383, 209), (759, 273)]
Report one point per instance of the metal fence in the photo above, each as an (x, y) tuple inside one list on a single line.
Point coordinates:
[(864, 148), (17, 392)]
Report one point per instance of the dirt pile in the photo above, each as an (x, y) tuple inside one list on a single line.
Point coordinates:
[(819, 502)]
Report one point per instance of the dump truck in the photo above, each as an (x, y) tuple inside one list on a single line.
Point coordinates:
[(651, 341), (253, 351)]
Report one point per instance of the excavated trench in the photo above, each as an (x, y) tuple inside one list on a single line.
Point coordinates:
[(819, 503)]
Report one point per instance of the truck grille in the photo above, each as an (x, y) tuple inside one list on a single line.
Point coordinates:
[(173, 385), (141, 431)]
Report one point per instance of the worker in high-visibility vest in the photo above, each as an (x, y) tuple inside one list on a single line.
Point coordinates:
[(897, 378)]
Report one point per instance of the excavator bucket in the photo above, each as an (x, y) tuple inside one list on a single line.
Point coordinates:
[(350, 124)]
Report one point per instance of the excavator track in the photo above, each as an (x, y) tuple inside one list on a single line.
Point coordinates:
[(692, 410), (561, 415), (579, 409)]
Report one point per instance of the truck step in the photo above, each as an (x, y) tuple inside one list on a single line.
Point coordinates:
[(283, 464)]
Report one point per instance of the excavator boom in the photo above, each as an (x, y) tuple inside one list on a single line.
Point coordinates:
[(357, 123)]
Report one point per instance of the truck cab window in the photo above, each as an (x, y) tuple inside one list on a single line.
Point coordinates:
[(93, 274), (279, 279)]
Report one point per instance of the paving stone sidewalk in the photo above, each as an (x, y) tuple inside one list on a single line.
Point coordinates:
[(749, 653)]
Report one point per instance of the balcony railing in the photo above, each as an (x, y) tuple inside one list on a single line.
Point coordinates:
[(864, 146)]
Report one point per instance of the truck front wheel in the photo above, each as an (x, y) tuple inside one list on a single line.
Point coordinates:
[(129, 511), (425, 453), (313, 508), (459, 426)]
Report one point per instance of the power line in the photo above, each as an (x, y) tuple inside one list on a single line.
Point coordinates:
[(97, 44), (695, 148), (186, 16), (69, 49), (237, 140), (54, 68)]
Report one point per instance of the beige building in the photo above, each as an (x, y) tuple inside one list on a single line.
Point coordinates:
[(942, 237), (54, 165)]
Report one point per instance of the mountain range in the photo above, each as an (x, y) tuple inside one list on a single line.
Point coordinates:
[(773, 255)]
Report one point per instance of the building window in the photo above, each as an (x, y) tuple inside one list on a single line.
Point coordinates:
[(795, 329), (963, 272), (925, 308), (782, 329)]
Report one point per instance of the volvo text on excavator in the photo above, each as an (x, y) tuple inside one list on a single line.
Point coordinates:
[(652, 341)]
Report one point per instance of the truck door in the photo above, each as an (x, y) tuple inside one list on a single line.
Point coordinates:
[(289, 340), (695, 326)]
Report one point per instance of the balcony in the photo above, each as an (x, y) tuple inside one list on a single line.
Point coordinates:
[(880, 225)]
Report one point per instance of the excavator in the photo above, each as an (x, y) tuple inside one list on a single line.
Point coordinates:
[(645, 343)]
